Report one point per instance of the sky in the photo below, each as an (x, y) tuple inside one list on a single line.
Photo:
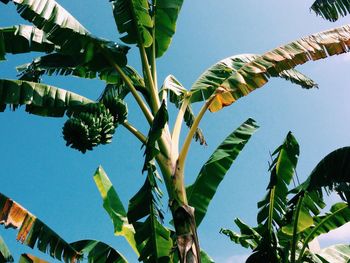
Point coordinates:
[(55, 182)]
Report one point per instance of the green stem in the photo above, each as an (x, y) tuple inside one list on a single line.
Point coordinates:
[(295, 230), (133, 90), (134, 131), (271, 206), (188, 139)]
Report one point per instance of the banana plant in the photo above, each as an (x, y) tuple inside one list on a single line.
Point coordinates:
[(289, 219), (70, 49)]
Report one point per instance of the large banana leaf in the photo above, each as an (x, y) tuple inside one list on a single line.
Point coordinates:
[(335, 254), (33, 232), (331, 10), (132, 17), (217, 74), (39, 99), (201, 192), (98, 252), (27, 258), (166, 15), (256, 73), (274, 205), (115, 208), (66, 32), (177, 93), (5, 254), (332, 173), (23, 39)]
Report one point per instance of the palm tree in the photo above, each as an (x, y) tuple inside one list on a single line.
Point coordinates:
[(72, 50)]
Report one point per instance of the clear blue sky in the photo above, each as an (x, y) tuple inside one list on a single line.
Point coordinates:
[(55, 182)]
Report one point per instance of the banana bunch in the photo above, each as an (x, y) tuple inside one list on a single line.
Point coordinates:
[(94, 123)]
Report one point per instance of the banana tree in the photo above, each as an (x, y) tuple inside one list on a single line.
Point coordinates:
[(70, 49), (287, 224)]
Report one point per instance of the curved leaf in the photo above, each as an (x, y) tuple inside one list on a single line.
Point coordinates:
[(216, 75), (65, 31), (166, 15), (177, 93), (256, 73), (27, 258), (335, 254), (40, 99), (5, 254), (98, 252), (23, 39), (201, 192), (34, 232), (332, 173), (132, 17), (331, 10), (114, 207)]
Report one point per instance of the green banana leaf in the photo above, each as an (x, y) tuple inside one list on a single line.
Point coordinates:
[(331, 173), (115, 208), (166, 14), (66, 32), (40, 99), (217, 74), (248, 237), (98, 252), (28, 258), (63, 64), (331, 10), (133, 18), (5, 254), (201, 192), (23, 39), (335, 254), (273, 207), (176, 93), (338, 215), (33, 232), (205, 258)]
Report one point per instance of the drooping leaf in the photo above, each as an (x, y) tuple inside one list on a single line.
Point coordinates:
[(216, 75), (40, 99), (177, 93), (28, 258), (133, 18), (166, 13), (201, 192), (5, 254), (115, 208), (98, 252), (331, 173), (335, 254), (33, 232), (23, 39), (273, 207), (331, 10), (66, 32), (64, 64)]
